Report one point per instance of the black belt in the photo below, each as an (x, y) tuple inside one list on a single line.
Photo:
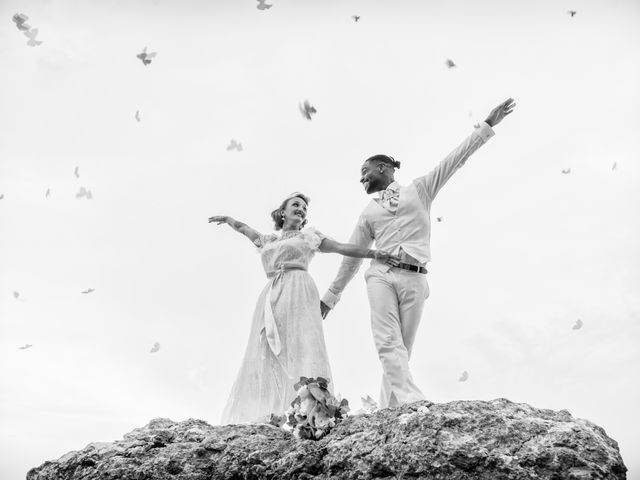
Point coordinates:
[(413, 268)]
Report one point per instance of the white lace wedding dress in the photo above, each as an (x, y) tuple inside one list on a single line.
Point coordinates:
[(286, 339)]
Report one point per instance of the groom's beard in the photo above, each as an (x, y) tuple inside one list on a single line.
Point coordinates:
[(375, 185)]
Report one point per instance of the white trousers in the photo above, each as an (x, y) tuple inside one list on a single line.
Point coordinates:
[(396, 298)]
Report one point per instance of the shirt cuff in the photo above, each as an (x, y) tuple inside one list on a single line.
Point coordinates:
[(484, 131), (330, 299)]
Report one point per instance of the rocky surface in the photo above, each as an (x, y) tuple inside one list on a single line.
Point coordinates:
[(495, 440)]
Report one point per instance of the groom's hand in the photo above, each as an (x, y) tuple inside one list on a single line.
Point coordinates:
[(501, 111), (324, 309)]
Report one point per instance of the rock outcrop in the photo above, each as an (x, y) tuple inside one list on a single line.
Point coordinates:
[(493, 440)]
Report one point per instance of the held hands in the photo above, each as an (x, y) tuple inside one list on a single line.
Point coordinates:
[(501, 111), (386, 257), (379, 255), (324, 309)]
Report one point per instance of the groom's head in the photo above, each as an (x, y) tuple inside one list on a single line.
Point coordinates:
[(376, 172)]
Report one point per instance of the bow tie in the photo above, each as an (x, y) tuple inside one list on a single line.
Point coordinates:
[(389, 200), (389, 194)]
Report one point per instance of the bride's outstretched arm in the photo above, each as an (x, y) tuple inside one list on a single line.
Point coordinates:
[(238, 226), (352, 250)]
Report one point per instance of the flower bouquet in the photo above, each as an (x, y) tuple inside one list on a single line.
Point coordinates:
[(315, 410)]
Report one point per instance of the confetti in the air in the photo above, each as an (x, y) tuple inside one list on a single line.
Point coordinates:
[(439, 219), (614, 166), (88, 290), (146, 57), (307, 110), (1, 196), (48, 193), (76, 172), (155, 348), (356, 18), (20, 19), (464, 377), (449, 63), (577, 325), (24, 347), (138, 115), (572, 13), (262, 5), (83, 192), (566, 171), (32, 34), (18, 297), (234, 145)]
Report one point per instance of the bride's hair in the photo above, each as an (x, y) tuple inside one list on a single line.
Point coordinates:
[(386, 159), (276, 215)]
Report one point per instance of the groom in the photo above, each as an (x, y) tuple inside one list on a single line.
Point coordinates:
[(398, 221)]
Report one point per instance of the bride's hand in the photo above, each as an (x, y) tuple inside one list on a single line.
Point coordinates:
[(387, 258), (219, 219)]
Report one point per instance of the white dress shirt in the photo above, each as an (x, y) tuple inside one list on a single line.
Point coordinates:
[(402, 225)]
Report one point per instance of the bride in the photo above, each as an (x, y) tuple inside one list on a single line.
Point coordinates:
[(286, 340)]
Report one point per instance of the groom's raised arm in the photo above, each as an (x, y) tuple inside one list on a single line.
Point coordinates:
[(361, 236), (429, 185)]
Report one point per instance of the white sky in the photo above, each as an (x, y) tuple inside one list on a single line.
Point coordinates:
[(522, 253)]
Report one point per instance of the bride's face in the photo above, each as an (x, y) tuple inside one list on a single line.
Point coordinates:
[(295, 212)]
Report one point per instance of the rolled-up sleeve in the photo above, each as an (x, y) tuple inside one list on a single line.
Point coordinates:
[(361, 236), (429, 185)]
